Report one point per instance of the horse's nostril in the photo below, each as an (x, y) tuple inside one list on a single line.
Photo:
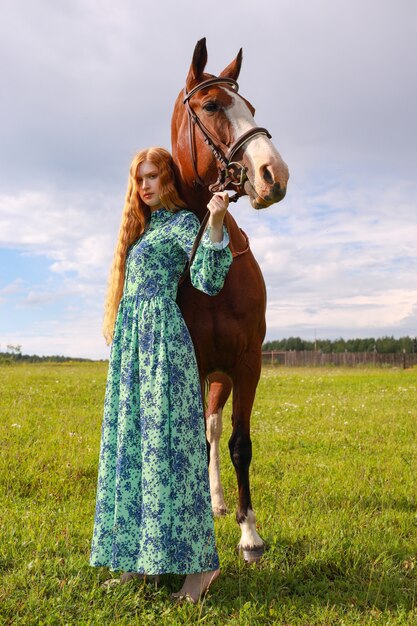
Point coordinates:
[(266, 174)]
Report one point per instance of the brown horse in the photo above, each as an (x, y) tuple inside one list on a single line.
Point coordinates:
[(216, 144)]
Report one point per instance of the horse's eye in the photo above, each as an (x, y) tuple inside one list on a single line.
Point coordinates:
[(211, 107)]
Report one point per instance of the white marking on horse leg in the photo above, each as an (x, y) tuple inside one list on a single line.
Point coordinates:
[(249, 539), (214, 428)]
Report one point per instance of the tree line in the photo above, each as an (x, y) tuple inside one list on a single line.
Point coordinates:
[(18, 357), (382, 345)]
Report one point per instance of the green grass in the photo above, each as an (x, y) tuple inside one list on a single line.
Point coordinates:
[(333, 486)]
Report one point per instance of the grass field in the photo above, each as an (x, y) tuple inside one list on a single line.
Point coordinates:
[(333, 484)]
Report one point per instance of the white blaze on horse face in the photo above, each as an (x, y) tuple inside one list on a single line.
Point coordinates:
[(260, 152)]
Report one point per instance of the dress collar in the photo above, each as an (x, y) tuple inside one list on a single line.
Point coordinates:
[(160, 214)]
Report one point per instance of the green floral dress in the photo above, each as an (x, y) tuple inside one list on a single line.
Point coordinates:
[(153, 510)]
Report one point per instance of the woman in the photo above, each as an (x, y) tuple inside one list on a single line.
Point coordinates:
[(153, 510)]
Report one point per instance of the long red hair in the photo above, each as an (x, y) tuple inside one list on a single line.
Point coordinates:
[(135, 217)]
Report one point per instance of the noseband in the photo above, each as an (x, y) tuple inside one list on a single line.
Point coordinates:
[(229, 172)]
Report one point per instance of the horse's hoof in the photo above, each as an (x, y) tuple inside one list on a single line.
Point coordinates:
[(252, 555)]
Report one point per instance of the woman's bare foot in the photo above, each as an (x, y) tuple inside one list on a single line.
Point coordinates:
[(195, 586)]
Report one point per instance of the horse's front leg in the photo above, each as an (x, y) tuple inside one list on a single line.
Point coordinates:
[(220, 388), (240, 446)]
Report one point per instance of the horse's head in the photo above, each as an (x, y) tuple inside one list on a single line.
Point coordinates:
[(215, 140)]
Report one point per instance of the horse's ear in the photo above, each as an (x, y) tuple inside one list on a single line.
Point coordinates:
[(233, 70), (198, 63)]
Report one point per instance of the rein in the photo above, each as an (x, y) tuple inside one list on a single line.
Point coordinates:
[(194, 248), (229, 172)]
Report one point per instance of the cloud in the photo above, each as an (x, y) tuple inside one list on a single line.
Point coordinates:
[(338, 261), (332, 88), (87, 84), (11, 289), (74, 336), (76, 231)]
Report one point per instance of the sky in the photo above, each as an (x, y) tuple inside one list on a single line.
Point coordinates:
[(85, 84)]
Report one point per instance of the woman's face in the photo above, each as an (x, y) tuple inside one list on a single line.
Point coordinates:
[(149, 185)]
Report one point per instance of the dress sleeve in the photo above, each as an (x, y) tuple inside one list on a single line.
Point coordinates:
[(212, 260)]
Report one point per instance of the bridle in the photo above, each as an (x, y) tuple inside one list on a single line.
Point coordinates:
[(229, 172)]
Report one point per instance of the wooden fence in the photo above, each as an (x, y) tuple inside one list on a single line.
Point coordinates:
[(309, 358)]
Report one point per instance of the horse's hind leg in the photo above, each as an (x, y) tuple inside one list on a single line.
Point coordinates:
[(220, 388), (240, 446)]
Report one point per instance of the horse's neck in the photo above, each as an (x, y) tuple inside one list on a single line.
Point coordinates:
[(196, 200)]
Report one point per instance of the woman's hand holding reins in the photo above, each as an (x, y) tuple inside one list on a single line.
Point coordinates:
[(217, 207)]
